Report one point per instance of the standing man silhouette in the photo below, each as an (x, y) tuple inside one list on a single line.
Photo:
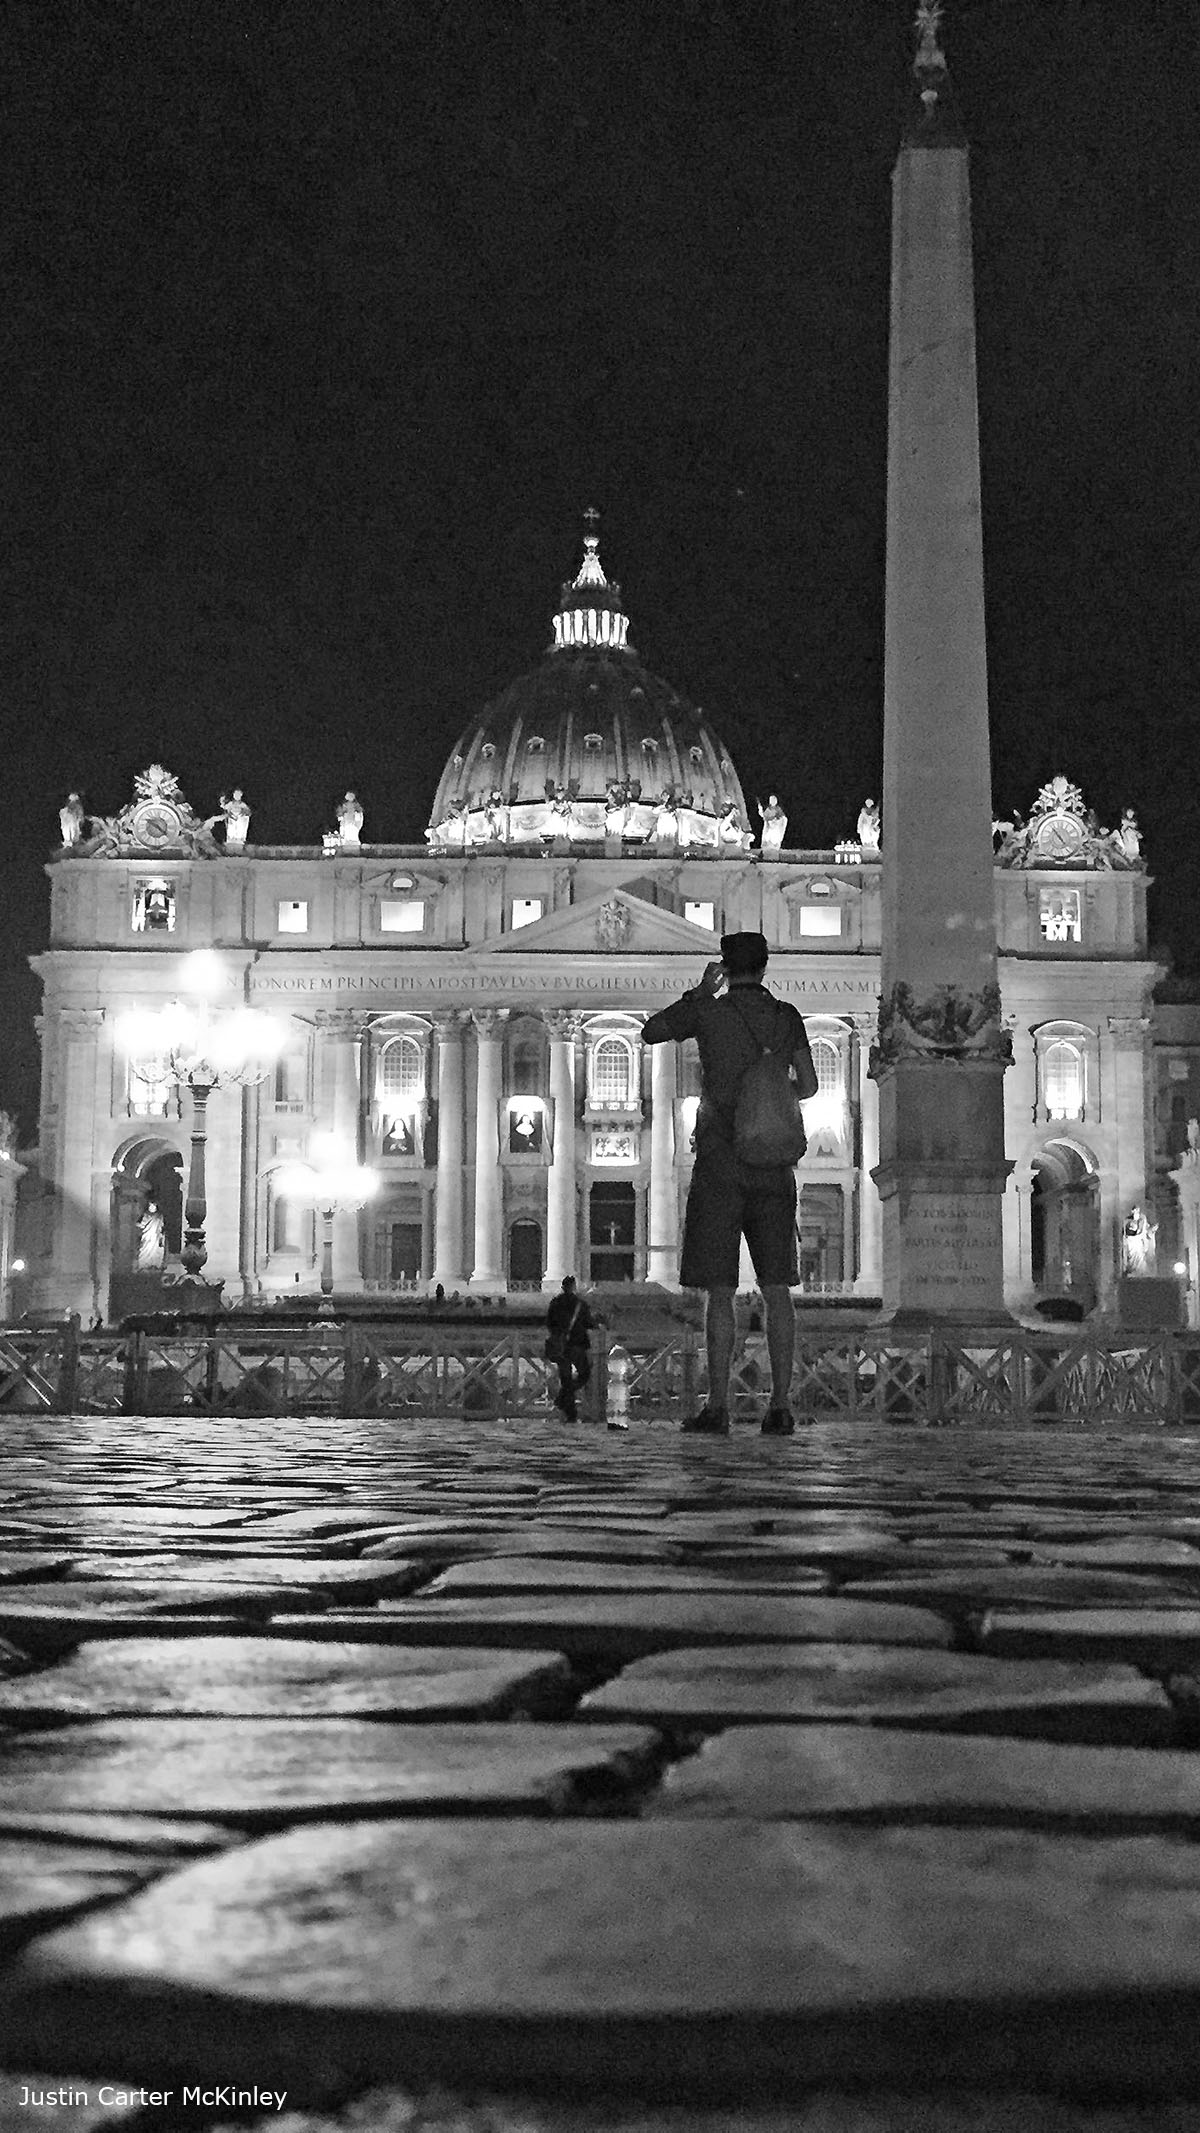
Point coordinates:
[(732, 1015)]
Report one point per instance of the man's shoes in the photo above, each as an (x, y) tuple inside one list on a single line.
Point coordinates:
[(777, 1422), (710, 1422)]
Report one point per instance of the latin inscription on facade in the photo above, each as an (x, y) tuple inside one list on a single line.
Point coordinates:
[(574, 981)]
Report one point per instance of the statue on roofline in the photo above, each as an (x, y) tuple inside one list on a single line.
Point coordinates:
[(71, 819), (774, 823), (868, 829), (350, 820), (236, 817)]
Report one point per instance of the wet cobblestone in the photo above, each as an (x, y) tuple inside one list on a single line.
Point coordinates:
[(517, 1779)]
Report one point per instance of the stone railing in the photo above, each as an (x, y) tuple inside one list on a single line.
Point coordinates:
[(479, 1368)]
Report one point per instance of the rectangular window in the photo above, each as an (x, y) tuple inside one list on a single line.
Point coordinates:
[(701, 915), (821, 918), (293, 915), (401, 914), (291, 1077), (526, 910), (153, 907), (1058, 910)]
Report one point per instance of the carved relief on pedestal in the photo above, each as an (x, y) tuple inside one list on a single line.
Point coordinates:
[(952, 1024)]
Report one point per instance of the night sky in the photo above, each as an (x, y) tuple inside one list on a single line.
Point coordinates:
[(324, 323)]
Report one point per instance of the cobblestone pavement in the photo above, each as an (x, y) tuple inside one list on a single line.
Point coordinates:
[(448, 1778)]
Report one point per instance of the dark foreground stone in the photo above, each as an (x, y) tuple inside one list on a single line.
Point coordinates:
[(684, 1963)]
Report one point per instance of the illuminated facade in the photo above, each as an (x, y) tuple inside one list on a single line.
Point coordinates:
[(466, 1015)]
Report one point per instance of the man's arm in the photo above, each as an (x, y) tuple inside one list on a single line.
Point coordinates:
[(680, 1020)]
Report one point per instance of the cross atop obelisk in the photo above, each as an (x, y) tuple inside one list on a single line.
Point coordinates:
[(941, 1052)]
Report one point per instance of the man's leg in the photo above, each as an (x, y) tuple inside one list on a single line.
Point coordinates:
[(781, 1341), (718, 1340)]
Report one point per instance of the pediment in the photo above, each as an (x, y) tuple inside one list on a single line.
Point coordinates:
[(616, 922)]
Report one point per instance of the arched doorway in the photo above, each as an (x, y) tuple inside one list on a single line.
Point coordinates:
[(146, 1225), (819, 1235), (525, 1262), (1065, 1223), (612, 1229)]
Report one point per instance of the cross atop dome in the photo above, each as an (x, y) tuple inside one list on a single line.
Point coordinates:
[(590, 572)]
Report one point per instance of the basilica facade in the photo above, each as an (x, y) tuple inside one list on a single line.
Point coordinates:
[(465, 1016)]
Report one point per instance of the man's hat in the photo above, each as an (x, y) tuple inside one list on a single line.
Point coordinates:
[(742, 952)]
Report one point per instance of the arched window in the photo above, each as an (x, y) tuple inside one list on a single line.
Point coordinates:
[(285, 1229), (1063, 1080), (401, 1073), (526, 1066), (612, 1074), (824, 1113), (151, 1088)]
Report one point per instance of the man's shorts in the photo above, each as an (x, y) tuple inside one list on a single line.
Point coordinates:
[(729, 1200)]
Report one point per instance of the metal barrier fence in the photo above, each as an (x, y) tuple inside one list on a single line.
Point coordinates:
[(1018, 1380)]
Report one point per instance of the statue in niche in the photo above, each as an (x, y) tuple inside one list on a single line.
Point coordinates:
[(152, 1240), (774, 823), (1137, 1242), (1191, 1154), (868, 829), (71, 820), (236, 816)]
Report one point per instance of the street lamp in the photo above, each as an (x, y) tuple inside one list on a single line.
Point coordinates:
[(199, 1047), (335, 1179)]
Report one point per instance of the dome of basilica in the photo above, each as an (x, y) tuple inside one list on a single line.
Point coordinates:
[(589, 748)]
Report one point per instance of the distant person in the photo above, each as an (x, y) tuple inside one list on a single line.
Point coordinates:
[(568, 1324), (734, 1020)]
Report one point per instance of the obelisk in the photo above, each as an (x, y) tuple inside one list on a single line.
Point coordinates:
[(941, 1052)]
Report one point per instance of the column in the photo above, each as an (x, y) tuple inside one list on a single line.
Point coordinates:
[(487, 1274), (72, 1266), (448, 1234), (561, 1239), (341, 1041), (942, 1049), (1020, 1122), (1124, 1182), (869, 1278), (1186, 1181), (662, 1261)]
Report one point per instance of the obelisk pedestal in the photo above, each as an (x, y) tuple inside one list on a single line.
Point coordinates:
[(941, 1051)]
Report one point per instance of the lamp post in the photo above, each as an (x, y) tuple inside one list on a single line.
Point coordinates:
[(335, 1179), (198, 1046)]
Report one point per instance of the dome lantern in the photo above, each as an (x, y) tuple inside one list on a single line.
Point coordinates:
[(589, 611)]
